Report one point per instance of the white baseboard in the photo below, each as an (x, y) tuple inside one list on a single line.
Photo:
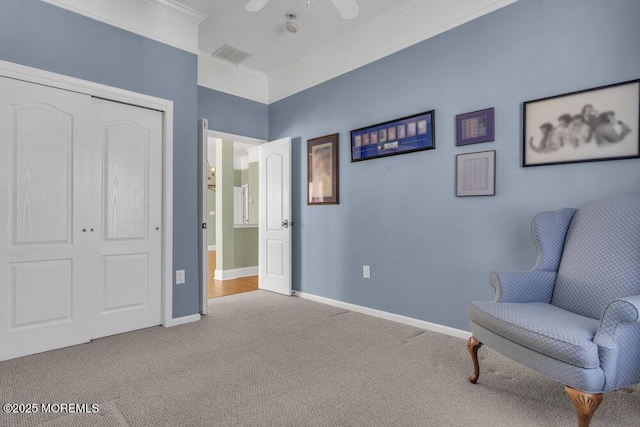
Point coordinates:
[(422, 324), (236, 273), (211, 247), (182, 320)]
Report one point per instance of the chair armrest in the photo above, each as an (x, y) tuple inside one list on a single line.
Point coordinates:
[(622, 310), (523, 286)]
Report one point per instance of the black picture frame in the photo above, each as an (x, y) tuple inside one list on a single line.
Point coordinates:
[(590, 125), (476, 174), (322, 170), (475, 127), (411, 133)]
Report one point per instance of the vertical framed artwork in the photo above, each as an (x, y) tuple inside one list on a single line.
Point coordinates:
[(322, 170), (586, 126), (476, 174), (475, 127)]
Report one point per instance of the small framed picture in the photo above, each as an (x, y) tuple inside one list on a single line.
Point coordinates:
[(586, 126), (402, 131), (475, 127), (422, 127), (322, 170), (382, 135), (392, 133), (374, 137), (358, 141), (411, 129), (365, 139), (476, 174)]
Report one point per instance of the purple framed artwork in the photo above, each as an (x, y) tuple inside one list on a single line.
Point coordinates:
[(399, 136), (475, 127)]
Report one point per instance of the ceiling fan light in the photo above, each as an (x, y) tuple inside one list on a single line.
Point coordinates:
[(292, 27)]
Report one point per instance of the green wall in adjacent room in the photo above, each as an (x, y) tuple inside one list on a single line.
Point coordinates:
[(211, 219), (225, 251), (246, 247)]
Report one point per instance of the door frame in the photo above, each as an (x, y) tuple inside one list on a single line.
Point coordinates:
[(212, 133), (60, 81)]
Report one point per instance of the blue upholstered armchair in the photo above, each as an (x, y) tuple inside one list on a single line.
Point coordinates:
[(576, 315)]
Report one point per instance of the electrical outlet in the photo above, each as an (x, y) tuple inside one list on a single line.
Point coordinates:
[(180, 277), (366, 271)]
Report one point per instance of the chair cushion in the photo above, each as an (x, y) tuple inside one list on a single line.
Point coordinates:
[(541, 327)]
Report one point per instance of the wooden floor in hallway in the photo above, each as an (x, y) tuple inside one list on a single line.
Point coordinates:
[(220, 288)]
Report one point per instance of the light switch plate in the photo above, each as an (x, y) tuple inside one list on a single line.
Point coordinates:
[(180, 277), (366, 271)]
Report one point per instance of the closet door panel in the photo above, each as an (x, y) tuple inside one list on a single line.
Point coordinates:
[(126, 172), (42, 165), (128, 181), (45, 136)]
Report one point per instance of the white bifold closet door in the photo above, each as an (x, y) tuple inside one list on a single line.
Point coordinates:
[(127, 218), (80, 237)]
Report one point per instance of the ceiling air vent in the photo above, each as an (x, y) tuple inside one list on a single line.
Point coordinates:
[(231, 54)]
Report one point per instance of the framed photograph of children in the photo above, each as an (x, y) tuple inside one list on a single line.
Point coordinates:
[(475, 127), (322, 170), (586, 126), (476, 174), (399, 136)]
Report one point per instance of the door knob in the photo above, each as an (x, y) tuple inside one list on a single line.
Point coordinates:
[(285, 223), (84, 230)]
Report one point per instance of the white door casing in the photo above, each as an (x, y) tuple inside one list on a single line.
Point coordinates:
[(275, 217), (72, 84), (80, 218), (203, 193)]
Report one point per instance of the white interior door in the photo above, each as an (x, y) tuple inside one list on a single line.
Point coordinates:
[(275, 217), (127, 217), (44, 218)]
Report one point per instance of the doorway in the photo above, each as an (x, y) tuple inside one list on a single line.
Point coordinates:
[(267, 217), (232, 214)]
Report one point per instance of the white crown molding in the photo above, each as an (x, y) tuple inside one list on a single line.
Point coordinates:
[(422, 324), (411, 22), (241, 81), (153, 19), (179, 10)]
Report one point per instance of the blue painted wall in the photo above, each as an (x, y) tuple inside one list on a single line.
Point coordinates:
[(39, 35), (430, 252), (231, 114)]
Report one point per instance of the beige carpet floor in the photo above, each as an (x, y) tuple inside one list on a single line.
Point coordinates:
[(261, 359)]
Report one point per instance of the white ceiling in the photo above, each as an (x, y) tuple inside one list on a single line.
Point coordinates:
[(283, 64), (263, 34)]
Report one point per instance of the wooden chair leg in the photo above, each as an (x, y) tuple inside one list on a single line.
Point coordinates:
[(585, 403), (473, 345)]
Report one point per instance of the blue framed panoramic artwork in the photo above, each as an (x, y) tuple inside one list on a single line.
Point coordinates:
[(405, 135)]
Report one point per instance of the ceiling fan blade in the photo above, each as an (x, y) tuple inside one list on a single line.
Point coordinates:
[(348, 9), (256, 5)]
